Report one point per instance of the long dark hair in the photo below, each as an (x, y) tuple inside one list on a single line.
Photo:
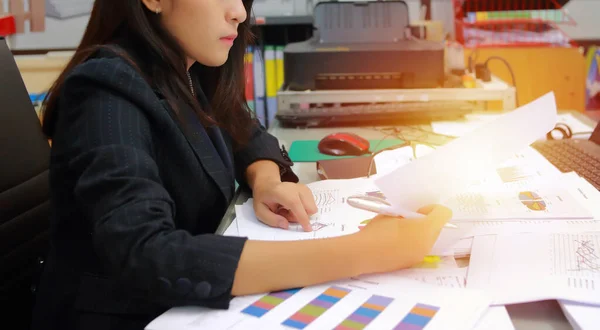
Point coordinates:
[(163, 64)]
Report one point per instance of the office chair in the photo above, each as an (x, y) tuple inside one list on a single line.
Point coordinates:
[(24, 199)]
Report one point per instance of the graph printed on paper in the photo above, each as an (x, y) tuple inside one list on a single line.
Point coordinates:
[(315, 225), (340, 307), (327, 199), (249, 310), (523, 204), (577, 257), (576, 254)]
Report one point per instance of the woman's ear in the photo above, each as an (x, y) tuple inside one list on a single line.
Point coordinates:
[(154, 6)]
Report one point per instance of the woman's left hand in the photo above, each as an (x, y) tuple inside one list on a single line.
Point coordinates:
[(279, 203)]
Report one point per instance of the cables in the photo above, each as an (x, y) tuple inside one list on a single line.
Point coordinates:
[(564, 132), (482, 71), (472, 60)]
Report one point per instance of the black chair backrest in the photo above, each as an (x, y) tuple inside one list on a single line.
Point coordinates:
[(24, 200)]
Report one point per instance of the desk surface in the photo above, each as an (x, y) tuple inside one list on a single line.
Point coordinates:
[(544, 315)]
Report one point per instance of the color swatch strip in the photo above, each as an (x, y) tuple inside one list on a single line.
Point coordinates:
[(366, 313), (418, 317), (311, 311), (268, 302)]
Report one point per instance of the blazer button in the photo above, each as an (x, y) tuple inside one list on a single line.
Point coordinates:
[(183, 286), (202, 289)]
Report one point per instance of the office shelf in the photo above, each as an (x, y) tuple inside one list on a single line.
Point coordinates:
[(282, 20)]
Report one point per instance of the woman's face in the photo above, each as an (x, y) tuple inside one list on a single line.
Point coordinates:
[(205, 29)]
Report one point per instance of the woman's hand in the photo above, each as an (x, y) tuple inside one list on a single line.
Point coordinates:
[(395, 243), (278, 203)]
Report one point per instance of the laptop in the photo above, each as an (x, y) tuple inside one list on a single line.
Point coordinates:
[(574, 155)]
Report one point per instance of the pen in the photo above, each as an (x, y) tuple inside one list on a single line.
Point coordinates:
[(380, 206)]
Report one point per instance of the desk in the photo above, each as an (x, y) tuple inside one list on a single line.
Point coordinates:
[(544, 315)]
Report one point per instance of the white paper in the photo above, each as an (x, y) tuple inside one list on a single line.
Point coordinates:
[(581, 316), (334, 218), (473, 121), (459, 128), (453, 167), (582, 191), (454, 309), (389, 160), (495, 227), (532, 267), (495, 318), (540, 201), (586, 194)]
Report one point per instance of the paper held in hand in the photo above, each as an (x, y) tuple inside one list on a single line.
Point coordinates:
[(453, 167)]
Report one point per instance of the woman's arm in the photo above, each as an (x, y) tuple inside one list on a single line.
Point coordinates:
[(273, 265), (262, 148), (262, 171), (385, 244)]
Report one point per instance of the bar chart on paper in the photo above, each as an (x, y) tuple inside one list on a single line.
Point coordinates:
[(243, 311), (266, 303), (348, 305), (364, 314), (335, 307), (418, 317), (317, 307)]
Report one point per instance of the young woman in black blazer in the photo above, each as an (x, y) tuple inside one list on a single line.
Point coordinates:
[(150, 130)]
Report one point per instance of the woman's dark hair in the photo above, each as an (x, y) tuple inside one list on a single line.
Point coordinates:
[(163, 63)]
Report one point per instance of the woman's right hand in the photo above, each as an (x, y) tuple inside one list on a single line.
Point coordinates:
[(393, 243)]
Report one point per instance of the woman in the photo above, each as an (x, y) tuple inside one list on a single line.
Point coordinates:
[(149, 129)]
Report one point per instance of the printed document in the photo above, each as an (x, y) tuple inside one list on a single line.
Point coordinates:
[(537, 266), (350, 304), (454, 166)]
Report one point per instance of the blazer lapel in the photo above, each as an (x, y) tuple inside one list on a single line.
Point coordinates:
[(204, 149)]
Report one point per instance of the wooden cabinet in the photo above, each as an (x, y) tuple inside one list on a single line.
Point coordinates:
[(40, 71), (539, 71)]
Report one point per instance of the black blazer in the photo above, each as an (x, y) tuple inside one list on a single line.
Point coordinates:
[(137, 200)]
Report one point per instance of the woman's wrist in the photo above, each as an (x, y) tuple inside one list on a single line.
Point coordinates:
[(262, 172), (363, 254), (373, 254)]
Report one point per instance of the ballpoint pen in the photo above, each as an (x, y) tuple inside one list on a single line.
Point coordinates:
[(381, 206)]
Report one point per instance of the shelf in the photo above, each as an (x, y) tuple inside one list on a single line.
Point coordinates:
[(281, 20)]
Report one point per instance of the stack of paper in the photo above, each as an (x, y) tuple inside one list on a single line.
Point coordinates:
[(458, 164), (532, 232), (352, 304)]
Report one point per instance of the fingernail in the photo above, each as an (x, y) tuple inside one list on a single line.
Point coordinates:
[(282, 224)]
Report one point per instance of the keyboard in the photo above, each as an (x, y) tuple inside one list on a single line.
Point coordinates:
[(573, 155)]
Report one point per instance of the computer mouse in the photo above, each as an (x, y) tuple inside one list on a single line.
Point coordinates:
[(344, 144)]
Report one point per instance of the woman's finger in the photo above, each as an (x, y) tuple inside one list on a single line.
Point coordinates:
[(270, 218), (287, 214), (308, 200), (292, 202), (297, 209)]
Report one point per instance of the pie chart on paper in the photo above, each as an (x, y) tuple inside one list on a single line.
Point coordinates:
[(532, 200)]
